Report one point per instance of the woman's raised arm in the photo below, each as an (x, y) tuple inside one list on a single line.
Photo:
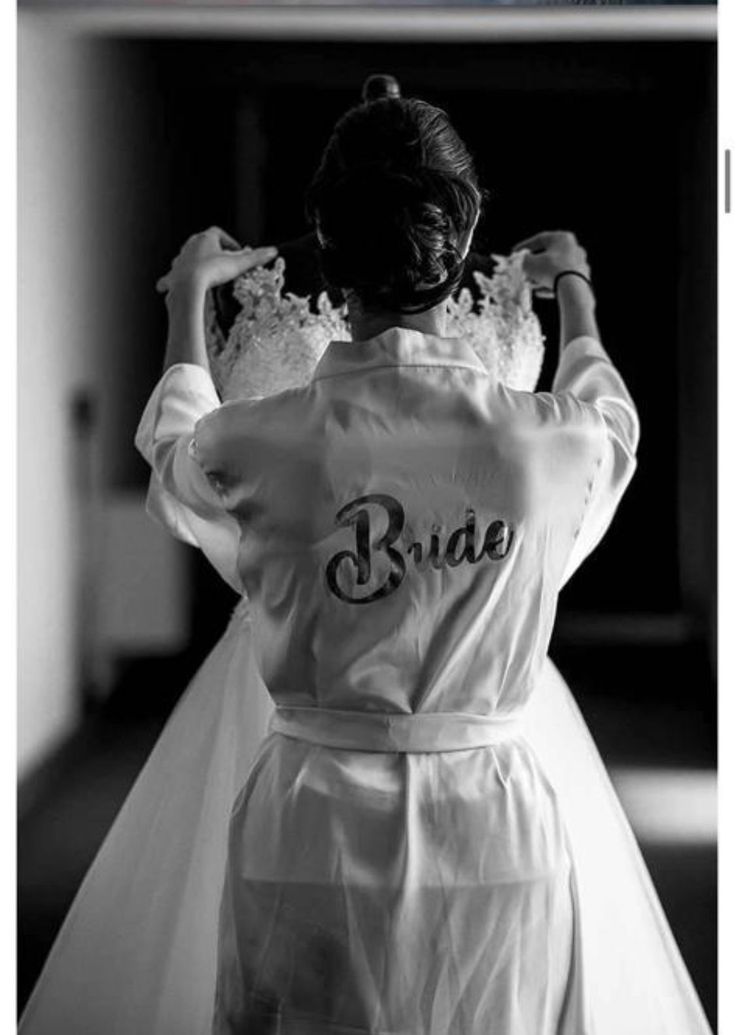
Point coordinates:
[(207, 259), (179, 495), (557, 265)]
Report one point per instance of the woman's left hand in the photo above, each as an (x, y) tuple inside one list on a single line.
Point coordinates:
[(210, 258)]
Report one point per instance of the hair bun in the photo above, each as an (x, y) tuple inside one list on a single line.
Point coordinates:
[(393, 197), (388, 233), (376, 87)]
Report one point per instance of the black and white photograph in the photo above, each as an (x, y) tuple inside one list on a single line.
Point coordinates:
[(367, 518)]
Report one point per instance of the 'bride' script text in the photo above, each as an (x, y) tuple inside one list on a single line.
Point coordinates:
[(460, 547)]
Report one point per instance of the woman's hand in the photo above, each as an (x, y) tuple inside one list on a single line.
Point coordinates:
[(549, 254), (206, 260), (210, 258)]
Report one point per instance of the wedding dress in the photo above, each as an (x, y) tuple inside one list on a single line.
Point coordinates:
[(483, 879)]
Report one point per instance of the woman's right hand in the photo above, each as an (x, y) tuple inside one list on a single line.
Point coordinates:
[(210, 258), (550, 254)]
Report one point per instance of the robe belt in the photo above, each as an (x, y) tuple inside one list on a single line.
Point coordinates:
[(395, 731)]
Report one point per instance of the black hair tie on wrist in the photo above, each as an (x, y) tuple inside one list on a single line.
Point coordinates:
[(570, 273)]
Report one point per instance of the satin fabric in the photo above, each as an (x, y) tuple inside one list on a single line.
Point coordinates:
[(389, 732), (384, 891), (417, 428)]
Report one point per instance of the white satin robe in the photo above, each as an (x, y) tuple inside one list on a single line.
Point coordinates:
[(397, 859)]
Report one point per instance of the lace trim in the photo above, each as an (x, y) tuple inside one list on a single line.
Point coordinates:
[(278, 337)]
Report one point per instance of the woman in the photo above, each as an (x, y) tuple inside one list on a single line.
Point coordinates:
[(404, 856)]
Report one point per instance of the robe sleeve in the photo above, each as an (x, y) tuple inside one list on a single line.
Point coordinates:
[(586, 372), (180, 495)]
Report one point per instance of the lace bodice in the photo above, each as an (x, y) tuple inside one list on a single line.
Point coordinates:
[(278, 337)]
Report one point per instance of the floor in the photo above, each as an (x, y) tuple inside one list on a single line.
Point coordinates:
[(66, 812)]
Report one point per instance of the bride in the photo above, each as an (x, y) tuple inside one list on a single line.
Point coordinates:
[(425, 840)]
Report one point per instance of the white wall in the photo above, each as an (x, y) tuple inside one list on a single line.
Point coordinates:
[(55, 356), (91, 196)]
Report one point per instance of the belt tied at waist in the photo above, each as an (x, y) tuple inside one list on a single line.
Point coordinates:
[(395, 731)]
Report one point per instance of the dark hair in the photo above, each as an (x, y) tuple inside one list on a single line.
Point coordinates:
[(395, 191)]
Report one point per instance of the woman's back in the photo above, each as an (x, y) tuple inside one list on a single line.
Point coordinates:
[(407, 522)]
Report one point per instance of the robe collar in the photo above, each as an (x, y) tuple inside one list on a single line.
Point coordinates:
[(396, 347)]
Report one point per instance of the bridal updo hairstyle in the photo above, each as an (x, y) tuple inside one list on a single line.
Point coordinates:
[(392, 199)]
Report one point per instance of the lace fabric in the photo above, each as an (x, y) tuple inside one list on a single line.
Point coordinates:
[(278, 337)]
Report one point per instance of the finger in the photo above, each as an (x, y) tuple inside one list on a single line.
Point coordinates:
[(224, 239), (536, 243), (534, 266), (234, 264), (257, 256), (537, 274)]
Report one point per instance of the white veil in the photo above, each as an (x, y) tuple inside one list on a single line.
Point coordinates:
[(137, 952), (636, 981)]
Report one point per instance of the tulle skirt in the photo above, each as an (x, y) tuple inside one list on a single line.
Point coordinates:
[(138, 952)]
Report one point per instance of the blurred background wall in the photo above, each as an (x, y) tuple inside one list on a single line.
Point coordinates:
[(57, 354), (128, 145), (90, 204)]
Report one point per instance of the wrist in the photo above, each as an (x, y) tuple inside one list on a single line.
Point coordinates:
[(186, 293), (185, 342), (574, 288)]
